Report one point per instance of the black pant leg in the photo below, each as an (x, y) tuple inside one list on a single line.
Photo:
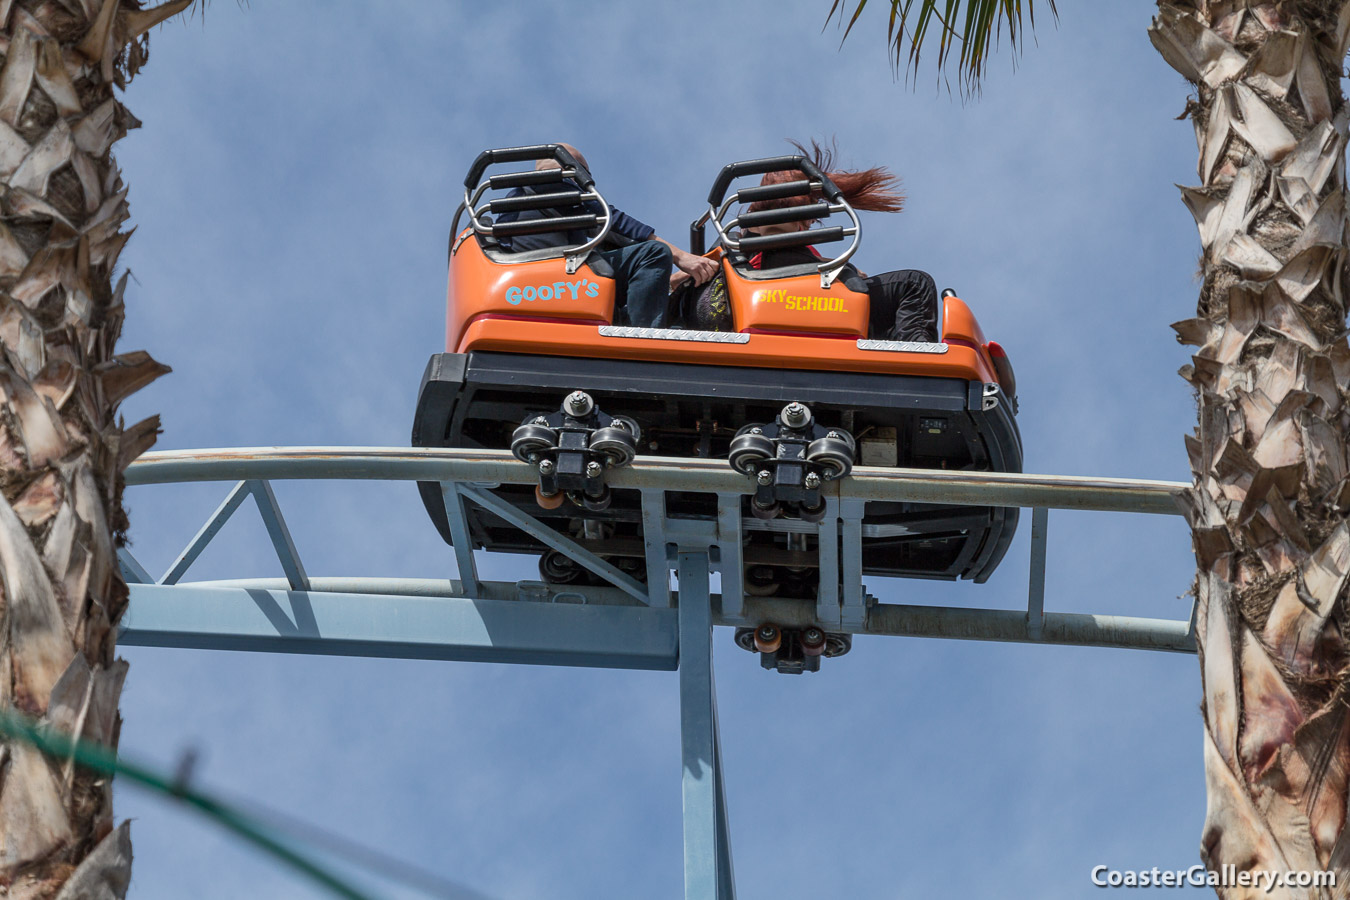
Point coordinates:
[(903, 306)]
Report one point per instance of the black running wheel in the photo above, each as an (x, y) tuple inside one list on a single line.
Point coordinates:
[(531, 438), (831, 454), (616, 445), (748, 451)]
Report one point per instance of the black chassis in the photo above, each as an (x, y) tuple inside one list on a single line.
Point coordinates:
[(476, 399)]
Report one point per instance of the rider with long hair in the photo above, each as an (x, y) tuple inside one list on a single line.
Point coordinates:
[(903, 303)]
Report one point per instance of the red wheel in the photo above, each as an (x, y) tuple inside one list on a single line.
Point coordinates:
[(549, 501), (813, 641), (768, 638)]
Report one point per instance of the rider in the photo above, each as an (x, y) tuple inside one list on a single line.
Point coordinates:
[(641, 264), (903, 303)]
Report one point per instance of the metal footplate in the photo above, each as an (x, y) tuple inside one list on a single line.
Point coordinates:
[(789, 459), (573, 448)]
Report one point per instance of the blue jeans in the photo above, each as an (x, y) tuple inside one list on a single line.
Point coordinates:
[(641, 283)]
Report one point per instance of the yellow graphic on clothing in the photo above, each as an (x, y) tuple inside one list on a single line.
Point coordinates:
[(801, 302)]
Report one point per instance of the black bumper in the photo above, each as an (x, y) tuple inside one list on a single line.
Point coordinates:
[(474, 399)]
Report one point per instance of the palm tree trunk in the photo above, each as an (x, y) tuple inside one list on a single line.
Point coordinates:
[(1269, 458), (62, 447)]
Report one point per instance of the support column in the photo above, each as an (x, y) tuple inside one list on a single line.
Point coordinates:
[(707, 844), (459, 536)]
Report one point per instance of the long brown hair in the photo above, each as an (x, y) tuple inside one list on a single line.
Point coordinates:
[(877, 189)]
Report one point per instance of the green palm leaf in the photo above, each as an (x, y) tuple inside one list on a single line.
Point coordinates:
[(974, 25)]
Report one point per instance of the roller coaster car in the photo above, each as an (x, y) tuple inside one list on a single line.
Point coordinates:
[(793, 394)]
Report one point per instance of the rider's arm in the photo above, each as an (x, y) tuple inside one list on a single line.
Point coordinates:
[(700, 268)]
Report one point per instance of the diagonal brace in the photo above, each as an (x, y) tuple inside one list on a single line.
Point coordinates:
[(280, 534), (206, 533), (538, 530)]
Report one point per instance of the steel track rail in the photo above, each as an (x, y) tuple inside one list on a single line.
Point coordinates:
[(654, 472)]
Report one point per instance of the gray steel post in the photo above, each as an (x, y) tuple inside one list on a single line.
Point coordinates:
[(827, 596), (731, 565), (707, 844), (1040, 520), (461, 543)]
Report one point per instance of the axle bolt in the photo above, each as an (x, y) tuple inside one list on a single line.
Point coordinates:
[(593, 469), (835, 435), (578, 404), (540, 420), (812, 481), (545, 466), (764, 476), (756, 430)]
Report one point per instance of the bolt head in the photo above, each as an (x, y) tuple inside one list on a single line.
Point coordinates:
[(545, 466), (836, 435), (578, 403), (764, 476), (540, 420), (795, 415), (812, 480), (756, 430), (593, 469)]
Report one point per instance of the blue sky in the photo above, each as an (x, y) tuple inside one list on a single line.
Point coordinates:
[(292, 187)]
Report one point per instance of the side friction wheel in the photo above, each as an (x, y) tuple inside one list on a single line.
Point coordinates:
[(765, 512), (555, 568), (761, 581), (811, 514), (549, 501)]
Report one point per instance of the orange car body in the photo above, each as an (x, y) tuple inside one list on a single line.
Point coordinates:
[(537, 307)]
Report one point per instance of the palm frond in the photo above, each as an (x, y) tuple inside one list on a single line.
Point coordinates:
[(975, 25)]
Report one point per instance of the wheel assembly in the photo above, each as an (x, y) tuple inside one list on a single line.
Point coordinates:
[(573, 448), (792, 651), (789, 459)]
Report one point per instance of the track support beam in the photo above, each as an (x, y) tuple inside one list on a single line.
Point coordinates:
[(707, 841)]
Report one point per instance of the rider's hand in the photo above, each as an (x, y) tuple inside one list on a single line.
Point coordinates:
[(700, 268), (677, 279)]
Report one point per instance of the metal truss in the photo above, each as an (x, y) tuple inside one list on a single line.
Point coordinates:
[(623, 624)]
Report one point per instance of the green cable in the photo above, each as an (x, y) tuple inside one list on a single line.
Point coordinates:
[(104, 761)]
